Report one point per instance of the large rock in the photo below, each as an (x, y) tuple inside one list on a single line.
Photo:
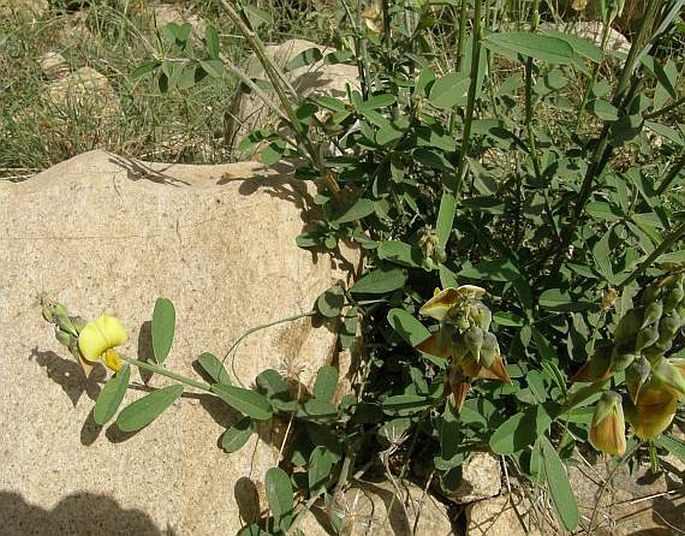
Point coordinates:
[(480, 479), (23, 9), (249, 112), (102, 234), (380, 509)]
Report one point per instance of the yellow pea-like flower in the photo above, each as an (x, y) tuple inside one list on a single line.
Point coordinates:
[(654, 411), (97, 340), (608, 429)]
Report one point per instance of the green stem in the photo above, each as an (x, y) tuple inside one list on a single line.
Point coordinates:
[(157, 369), (462, 34), (672, 174), (255, 329), (665, 245), (471, 101), (661, 111)]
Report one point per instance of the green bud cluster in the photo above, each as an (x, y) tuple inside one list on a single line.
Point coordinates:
[(469, 324), (429, 244), (67, 328)]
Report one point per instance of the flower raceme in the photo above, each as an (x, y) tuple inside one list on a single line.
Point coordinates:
[(464, 338)]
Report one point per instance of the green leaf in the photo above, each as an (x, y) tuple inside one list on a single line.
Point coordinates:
[(212, 42), (603, 110), (601, 211), (672, 445), (448, 207), (145, 410), (380, 281), (272, 153), (331, 301), (163, 326), (111, 396), (447, 277), (407, 327), (673, 256), (497, 270), (279, 493), (320, 464), (257, 17), (450, 90), (245, 401), (556, 300), (145, 68), (377, 102), (404, 405), (541, 47), (214, 68), (326, 383), (400, 253), (235, 437), (601, 253), (522, 429), (214, 368), (559, 486), (304, 58), (359, 210), (580, 45), (347, 330)]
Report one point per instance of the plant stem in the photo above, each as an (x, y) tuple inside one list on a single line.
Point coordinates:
[(672, 174), (157, 369), (661, 111), (665, 245), (462, 34), (473, 88)]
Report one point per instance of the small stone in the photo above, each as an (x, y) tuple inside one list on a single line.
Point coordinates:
[(54, 66), (481, 479), (23, 9), (85, 90)]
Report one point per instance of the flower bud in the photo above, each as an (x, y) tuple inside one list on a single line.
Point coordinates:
[(654, 411), (669, 325), (63, 337), (473, 340), (673, 298), (652, 314), (628, 326), (481, 315), (622, 356), (669, 376), (646, 337), (607, 431), (651, 293), (636, 376), (597, 368), (489, 350)]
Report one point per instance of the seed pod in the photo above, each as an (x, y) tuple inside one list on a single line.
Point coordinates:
[(646, 337), (622, 357), (628, 326), (473, 340), (489, 350), (653, 313), (636, 376), (672, 298)]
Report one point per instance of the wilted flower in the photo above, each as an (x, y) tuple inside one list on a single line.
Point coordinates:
[(597, 368), (98, 339), (607, 431), (653, 412)]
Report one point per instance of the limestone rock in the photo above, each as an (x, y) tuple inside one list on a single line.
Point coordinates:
[(480, 479), (640, 503), (381, 509), (505, 515), (249, 112), (86, 92), (103, 234), (54, 66)]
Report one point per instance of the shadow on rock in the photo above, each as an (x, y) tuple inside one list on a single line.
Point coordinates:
[(80, 513), (69, 375)]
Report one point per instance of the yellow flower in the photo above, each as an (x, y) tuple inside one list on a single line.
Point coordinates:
[(450, 298), (98, 339), (608, 429), (654, 411)]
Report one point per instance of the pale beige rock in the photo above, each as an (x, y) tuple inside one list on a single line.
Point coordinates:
[(381, 509), (103, 234), (54, 66), (505, 515), (640, 503), (480, 479), (85, 92), (249, 112), (23, 8)]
